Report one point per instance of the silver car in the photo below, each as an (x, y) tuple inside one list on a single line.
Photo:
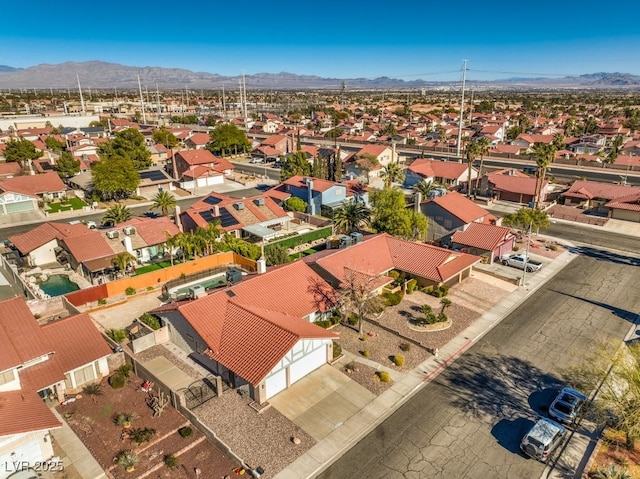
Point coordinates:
[(567, 405), (542, 439)]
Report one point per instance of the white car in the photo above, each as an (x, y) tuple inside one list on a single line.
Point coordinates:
[(256, 160)]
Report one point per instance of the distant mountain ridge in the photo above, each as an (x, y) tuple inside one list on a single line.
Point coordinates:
[(104, 75)]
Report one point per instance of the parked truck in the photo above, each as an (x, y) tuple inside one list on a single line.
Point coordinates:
[(521, 261)]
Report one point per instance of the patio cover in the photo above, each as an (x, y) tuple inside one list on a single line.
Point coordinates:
[(262, 230)]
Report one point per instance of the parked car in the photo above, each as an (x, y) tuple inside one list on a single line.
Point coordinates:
[(521, 261), (256, 160), (542, 439), (567, 405)]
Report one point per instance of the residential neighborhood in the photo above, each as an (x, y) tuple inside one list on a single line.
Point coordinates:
[(279, 283)]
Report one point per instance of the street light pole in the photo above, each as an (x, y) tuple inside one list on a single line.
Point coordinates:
[(526, 255)]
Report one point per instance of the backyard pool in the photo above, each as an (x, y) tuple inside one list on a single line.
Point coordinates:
[(57, 285)]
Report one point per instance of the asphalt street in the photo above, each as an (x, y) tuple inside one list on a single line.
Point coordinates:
[(468, 422)]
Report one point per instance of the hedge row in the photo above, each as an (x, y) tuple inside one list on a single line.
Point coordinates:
[(303, 238)]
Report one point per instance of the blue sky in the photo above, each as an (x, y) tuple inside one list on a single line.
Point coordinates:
[(410, 40)]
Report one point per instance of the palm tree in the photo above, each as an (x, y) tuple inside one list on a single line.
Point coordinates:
[(484, 144), (350, 216), (392, 173), (611, 472), (544, 154), (471, 151), (164, 201), (122, 261), (424, 188), (209, 236), (171, 244), (445, 302), (116, 214)]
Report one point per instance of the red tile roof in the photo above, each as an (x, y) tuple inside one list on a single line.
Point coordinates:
[(435, 168), (24, 411), (378, 254), (87, 246), (250, 329), (463, 208), (10, 168), (515, 183), (204, 157), (587, 190), (19, 334), (629, 203), (200, 138), (372, 149), (483, 236), (152, 230), (75, 340), (319, 184), (34, 185)]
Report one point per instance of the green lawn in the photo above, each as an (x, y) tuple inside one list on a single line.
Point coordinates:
[(148, 268), (67, 205)]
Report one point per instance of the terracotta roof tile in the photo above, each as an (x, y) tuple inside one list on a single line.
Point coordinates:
[(593, 189), (19, 334), (483, 236), (34, 184), (515, 183), (42, 234), (435, 168), (88, 246), (24, 411), (629, 203), (461, 207)]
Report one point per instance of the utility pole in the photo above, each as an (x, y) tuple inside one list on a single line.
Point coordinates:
[(144, 118), (81, 98), (224, 105), (464, 79), (158, 103)]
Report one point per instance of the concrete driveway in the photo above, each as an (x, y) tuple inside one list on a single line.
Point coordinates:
[(322, 401)]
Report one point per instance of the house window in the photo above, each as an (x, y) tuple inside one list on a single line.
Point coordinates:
[(448, 224), (84, 375), (7, 377)]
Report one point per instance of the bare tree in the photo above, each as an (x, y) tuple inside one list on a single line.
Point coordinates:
[(357, 296)]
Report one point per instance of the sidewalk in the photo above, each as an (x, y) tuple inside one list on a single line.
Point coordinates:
[(327, 451), (76, 454)]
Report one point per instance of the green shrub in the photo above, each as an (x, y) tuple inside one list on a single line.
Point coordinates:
[(171, 461), (350, 367), (365, 353), (124, 370), (428, 289), (553, 247), (118, 335), (516, 247), (130, 291), (391, 299), (142, 435), (337, 350), (394, 273), (440, 292), (117, 381), (102, 301), (405, 347), (384, 376), (150, 320), (399, 360), (411, 285), (352, 320), (445, 289), (124, 418), (185, 431), (325, 323), (336, 318)]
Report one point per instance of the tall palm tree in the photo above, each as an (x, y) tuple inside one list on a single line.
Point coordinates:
[(350, 216), (392, 173), (484, 144), (122, 261), (544, 154), (209, 236), (164, 201), (116, 214), (471, 152), (171, 244)]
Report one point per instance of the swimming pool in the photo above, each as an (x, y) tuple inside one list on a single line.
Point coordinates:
[(57, 285)]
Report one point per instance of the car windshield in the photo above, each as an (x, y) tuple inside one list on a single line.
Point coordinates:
[(563, 408)]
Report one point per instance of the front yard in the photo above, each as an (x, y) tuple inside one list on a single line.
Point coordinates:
[(93, 419), (66, 205)]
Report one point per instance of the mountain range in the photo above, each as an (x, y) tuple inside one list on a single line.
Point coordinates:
[(103, 75)]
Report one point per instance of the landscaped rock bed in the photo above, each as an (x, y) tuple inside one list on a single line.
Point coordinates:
[(92, 419)]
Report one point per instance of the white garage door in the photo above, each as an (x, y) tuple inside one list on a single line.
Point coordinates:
[(310, 362), (275, 383)]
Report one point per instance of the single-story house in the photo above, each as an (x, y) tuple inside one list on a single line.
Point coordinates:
[(485, 240)]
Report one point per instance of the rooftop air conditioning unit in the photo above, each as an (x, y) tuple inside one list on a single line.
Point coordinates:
[(345, 242), (234, 276), (129, 230), (196, 291), (113, 234), (356, 237), (259, 201), (239, 205)]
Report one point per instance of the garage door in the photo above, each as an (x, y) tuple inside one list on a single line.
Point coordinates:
[(275, 383), (19, 207), (310, 362)]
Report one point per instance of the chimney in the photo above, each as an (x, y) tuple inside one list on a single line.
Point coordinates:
[(417, 200), (311, 206), (176, 219), (261, 265)]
